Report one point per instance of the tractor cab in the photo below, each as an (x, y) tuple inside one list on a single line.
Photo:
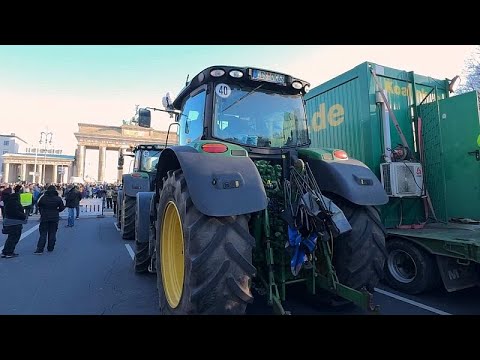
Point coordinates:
[(146, 158), (250, 107)]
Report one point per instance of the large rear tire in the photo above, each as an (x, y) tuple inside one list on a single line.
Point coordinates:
[(359, 256), (206, 266), (128, 218)]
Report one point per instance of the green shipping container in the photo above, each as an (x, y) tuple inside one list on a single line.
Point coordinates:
[(343, 113)]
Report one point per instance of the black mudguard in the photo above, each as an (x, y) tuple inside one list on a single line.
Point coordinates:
[(133, 185), (350, 179), (219, 185), (142, 222)]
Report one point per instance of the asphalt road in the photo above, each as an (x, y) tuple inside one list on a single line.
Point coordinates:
[(90, 272)]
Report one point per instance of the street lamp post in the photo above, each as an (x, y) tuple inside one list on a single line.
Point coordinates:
[(45, 138)]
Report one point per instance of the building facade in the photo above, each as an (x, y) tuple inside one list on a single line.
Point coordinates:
[(37, 168), (10, 144), (116, 138)]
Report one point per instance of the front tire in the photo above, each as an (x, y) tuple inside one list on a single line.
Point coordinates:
[(128, 218), (143, 225), (359, 256), (142, 258), (204, 264), (119, 208)]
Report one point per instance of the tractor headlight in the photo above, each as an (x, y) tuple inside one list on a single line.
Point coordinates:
[(236, 74), (217, 72)]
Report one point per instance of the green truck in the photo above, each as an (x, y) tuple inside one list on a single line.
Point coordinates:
[(422, 143)]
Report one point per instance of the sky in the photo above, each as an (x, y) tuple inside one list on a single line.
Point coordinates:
[(55, 87)]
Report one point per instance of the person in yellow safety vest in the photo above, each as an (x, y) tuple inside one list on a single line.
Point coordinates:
[(26, 199)]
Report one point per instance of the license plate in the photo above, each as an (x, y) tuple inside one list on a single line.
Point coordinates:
[(261, 75)]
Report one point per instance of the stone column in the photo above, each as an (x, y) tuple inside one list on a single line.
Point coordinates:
[(54, 173), (102, 153), (6, 171), (24, 172), (80, 160), (66, 173), (40, 174)]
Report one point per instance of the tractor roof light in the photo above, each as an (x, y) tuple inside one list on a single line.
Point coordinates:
[(297, 85), (340, 154), (236, 74), (217, 72), (306, 88), (214, 148)]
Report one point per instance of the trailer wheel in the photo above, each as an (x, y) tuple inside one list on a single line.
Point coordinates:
[(409, 268), (359, 256), (204, 264), (128, 218)]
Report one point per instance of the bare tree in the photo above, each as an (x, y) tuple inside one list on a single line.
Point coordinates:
[(471, 73)]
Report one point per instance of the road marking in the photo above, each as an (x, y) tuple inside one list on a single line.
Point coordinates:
[(411, 302), (130, 250), (25, 234), (116, 227)]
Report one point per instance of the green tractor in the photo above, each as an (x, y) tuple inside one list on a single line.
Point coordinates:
[(138, 183), (243, 202)]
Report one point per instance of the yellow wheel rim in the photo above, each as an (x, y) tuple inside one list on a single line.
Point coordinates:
[(172, 258)]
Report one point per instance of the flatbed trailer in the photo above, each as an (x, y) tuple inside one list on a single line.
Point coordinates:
[(455, 248)]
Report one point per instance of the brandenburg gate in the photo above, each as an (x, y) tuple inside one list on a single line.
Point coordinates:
[(103, 138)]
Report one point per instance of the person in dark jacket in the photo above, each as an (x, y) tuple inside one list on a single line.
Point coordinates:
[(14, 218), (50, 206), (72, 200), (2, 188)]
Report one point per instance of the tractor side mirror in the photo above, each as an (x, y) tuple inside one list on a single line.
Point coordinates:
[(144, 118)]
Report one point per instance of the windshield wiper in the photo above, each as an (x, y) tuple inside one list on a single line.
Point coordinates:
[(243, 97)]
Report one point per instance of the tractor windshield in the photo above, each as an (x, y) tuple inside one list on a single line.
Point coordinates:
[(259, 117), (149, 160)]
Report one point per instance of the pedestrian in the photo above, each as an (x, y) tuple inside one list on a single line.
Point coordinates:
[(36, 195), (2, 188), (15, 217), (50, 206), (72, 201), (109, 196), (26, 199), (114, 200)]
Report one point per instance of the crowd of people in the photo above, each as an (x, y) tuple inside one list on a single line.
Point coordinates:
[(21, 200)]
